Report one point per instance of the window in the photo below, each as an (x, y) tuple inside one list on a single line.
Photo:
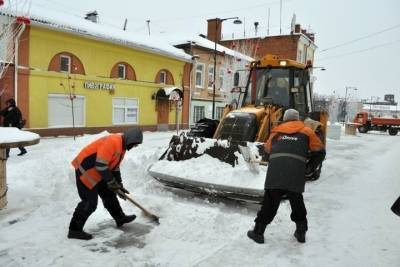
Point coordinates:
[(125, 110), (65, 63), (163, 77), (219, 111), (210, 76), (121, 71), (221, 79), (60, 111), (198, 113), (236, 78), (199, 75)]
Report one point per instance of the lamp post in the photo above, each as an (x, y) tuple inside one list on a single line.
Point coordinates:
[(345, 101), (217, 22)]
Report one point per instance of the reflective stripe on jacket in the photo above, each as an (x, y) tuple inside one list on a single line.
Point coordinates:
[(289, 147), (107, 150)]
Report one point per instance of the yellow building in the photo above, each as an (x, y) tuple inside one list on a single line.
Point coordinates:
[(83, 77)]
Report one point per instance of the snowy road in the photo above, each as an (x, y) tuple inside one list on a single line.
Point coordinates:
[(348, 210)]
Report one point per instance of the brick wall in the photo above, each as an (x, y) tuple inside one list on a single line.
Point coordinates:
[(283, 46)]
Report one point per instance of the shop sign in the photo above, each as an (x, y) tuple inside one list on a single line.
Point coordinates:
[(99, 86)]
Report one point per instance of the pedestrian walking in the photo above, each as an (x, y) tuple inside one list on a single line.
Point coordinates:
[(13, 118), (291, 146), (98, 174)]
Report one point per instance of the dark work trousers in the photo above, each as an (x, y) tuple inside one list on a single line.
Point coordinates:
[(270, 205), (88, 203)]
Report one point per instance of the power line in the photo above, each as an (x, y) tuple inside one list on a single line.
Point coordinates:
[(361, 38), (360, 51)]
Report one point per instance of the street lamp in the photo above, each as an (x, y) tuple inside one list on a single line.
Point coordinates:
[(345, 101), (217, 22)]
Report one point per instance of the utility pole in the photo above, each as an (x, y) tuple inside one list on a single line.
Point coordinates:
[(268, 20), (280, 18), (126, 22), (148, 25)]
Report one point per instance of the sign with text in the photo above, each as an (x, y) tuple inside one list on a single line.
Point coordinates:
[(99, 86)]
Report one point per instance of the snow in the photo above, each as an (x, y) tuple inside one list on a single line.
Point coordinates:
[(350, 221), (13, 135), (205, 43), (76, 25)]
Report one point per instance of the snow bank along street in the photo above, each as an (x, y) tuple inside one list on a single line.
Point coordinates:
[(350, 222)]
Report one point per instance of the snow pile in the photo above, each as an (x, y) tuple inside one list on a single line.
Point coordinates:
[(350, 221), (13, 135)]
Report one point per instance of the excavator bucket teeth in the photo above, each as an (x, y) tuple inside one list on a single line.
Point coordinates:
[(183, 147)]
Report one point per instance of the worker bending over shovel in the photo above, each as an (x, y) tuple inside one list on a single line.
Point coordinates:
[(98, 174)]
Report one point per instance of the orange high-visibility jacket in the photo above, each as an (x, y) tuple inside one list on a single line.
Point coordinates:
[(108, 150)]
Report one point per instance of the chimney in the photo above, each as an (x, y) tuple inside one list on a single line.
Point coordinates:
[(311, 36), (297, 28), (92, 16), (214, 29)]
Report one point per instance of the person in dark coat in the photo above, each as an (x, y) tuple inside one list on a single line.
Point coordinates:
[(97, 174), (291, 146), (12, 118)]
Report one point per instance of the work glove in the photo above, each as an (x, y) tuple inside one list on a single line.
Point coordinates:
[(122, 196), (113, 185)]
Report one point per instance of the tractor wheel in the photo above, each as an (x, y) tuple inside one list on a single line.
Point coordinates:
[(393, 131), (362, 129)]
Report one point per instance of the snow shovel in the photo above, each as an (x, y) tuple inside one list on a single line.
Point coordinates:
[(250, 159), (147, 213)]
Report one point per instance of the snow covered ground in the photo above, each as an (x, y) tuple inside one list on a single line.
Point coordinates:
[(350, 222)]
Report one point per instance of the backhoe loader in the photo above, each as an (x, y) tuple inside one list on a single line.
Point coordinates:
[(273, 86)]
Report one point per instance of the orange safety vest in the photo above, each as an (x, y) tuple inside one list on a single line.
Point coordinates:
[(108, 150)]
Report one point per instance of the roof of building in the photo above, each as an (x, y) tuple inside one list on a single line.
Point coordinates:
[(197, 41), (79, 26)]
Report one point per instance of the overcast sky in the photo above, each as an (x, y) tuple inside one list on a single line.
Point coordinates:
[(368, 64)]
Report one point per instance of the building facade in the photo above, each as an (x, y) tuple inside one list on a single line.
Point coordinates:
[(73, 80), (231, 76)]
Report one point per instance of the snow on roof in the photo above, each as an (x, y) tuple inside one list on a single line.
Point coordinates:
[(80, 26), (205, 43)]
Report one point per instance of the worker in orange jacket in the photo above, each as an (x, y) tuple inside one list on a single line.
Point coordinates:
[(98, 174), (291, 147)]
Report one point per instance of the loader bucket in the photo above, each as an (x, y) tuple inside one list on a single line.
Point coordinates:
[(183, 147)]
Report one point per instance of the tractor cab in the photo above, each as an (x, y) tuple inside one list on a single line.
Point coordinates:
[(282, 83)]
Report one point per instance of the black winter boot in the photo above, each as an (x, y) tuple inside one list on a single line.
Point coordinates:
[(126, 219), (257, 234), (76, 227), (79, 235), (300, 233)]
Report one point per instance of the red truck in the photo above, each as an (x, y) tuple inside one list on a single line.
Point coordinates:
[(370, 123)]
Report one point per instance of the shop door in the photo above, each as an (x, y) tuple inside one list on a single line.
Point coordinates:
[(162, 115)]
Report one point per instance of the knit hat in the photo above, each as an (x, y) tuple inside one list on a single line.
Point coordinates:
[(291, 115), (133, 136)]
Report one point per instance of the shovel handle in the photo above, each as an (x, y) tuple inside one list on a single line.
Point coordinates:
[(145, 211)]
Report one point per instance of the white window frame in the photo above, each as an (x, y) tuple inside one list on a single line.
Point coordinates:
[(163, 77), (195, 112), (219, 111), (221, 78), (201, 85), (124, 71), (210, 76), (61, 96), (69, 63), (125, 110)]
